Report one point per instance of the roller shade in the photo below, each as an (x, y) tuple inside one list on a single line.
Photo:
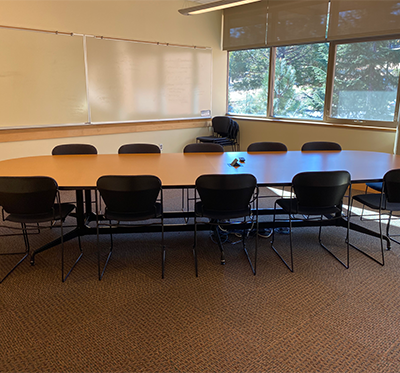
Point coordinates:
[(296, 22), (245, 26), (352, 19)]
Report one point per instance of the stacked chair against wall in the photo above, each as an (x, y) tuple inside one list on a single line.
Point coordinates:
[(30, 202), (139, 148), (387, 200), (129, 200), (318, 197), (198, 147), (225, 133), (223, 199)]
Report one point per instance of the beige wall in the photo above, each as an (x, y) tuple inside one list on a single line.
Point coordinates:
[(147, 20), (294, 135), (160, 21)]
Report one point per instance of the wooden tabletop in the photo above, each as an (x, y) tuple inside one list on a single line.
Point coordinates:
[(182, 169)]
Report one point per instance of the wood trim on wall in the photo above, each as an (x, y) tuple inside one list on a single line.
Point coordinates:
[(24, 134)]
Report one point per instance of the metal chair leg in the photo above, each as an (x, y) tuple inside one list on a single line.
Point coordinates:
[(290, 267), (26, 252)]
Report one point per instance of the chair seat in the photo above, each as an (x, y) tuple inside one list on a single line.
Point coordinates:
[(290, 206), (127, 216), (220, 215), (210, 139), (66, 208), (375, 186), (373, 200)]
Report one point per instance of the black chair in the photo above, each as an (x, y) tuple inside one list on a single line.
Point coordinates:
[(202, 147), (225, 133), (129, 198), (318, 197), (266, 146), (387, 200), (139, 148), (321, 146), (198, 147), (377, 187), (29, 201), (226, 197), (77, 149), (69, 149)]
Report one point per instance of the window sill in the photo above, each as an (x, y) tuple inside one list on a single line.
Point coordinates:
[(313, 123)]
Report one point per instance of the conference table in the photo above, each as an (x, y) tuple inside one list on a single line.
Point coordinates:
[(180, 170)]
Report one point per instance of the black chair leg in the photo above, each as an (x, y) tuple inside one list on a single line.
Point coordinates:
[(62, 255), (345, 265), (290, 267), (194, 247), (387, 231), (163, 249), (382, 262), (247, 253), (26, 252), (220, 246), (100, 271)]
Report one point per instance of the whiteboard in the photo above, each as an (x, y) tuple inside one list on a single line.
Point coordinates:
[(42, 79), (135, 81), (49, 79)]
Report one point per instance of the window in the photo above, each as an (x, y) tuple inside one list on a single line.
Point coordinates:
[(366, 80), (363, 82), (331, 60), (300, 81), (248, 81)]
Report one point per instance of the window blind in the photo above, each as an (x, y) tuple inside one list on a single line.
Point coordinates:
[(296, 22), (352, 18), (245, 26)]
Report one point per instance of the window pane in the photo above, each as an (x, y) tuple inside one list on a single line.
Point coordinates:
[(248, 82), (300, 80), (366, 80)]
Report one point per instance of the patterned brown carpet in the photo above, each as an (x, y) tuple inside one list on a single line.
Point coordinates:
[(321, 318)]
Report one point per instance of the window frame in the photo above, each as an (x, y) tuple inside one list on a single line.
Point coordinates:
[(327, 118)]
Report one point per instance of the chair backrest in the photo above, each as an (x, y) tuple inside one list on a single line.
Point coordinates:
[(320, 188), (67, 149), (203, 147), (391, 186), (129, 194), (233, 130), (139, 149), (266, 146), (221, 125), (27, 195), (226, 193), (320, 146)]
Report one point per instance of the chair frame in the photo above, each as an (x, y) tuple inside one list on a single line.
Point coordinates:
[(217, 223), (100, 221), (139, 148), (77, 149), (382, 206), (224, 134), (198, 147), (266, 146), (294, 216), (25, 232), (321, 146)]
